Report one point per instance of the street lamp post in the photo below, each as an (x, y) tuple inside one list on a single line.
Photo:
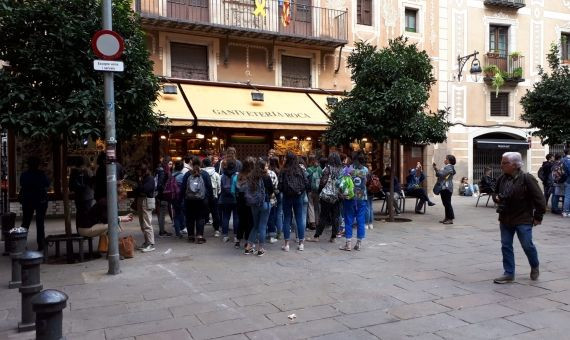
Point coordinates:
[(475, 64)]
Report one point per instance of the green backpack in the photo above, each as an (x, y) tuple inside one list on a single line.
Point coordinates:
[(346, 187)]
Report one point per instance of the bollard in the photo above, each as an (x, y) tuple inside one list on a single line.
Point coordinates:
[(17, 238), (8, 222), (30, 262), (48, 306)]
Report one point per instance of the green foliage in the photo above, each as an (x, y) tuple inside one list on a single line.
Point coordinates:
[(517, 73), (389, 99), (49, 86), (547, 106), (516, 54), (491, 69), (498, 81)]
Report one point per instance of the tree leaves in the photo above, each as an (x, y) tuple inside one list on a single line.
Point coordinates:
[(389, 98)]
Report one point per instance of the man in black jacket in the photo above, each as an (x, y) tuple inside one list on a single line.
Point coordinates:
[(521, 205), (544, 175)]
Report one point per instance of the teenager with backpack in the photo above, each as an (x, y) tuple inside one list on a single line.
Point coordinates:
[(161, 175), (197, 191), (557, 178), (259, 189), (315, 173), (244, 211), (544, 175), (215, 178), (357, 206), (275, 223), (293, 183), (227, 199), (330, 201)]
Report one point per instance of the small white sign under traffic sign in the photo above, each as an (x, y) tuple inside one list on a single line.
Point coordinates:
[(108, 65)]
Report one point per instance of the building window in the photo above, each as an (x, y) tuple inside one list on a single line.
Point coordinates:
[(499, 40), (565, 43), (500, 105), (189, 61), (364, 12), (411, 20), (295, 71)]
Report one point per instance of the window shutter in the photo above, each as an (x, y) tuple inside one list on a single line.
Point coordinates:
[(295, 71), (500, 105), (189, 61)]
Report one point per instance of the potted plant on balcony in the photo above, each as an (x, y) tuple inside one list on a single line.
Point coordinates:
[(490, 71), (515, 55), (517, 73), (493, 54), (498, 81)]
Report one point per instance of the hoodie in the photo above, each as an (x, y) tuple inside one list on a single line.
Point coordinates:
[(216, 180)]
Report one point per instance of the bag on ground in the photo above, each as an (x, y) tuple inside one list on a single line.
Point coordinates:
[(127, 247)]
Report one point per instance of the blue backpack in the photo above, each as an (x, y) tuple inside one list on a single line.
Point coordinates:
[(228, 190), (255, 198)]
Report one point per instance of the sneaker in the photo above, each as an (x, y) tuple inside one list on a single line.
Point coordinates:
[(191, 239), (148, 248), (272, 240), (237, 245), (200, 240), (184, 231), (249, 251), (301, 247), (164, 234), (346, 246), (225, 239), (261, 252), (285, 247), (371, 226), (447, 222), (332, 240), (366, 227), (504, 279), (565, 214), (431, 204), (534, 273), (312, 239), (142, 246), (358, 245), (217, 233)]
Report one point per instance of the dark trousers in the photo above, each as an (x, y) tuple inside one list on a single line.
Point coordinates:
[(195, 217), (215, 211), (40, 208), (245, 218), (421, 194), (229, 210), (547, 192), (328, 216), (446, 201)]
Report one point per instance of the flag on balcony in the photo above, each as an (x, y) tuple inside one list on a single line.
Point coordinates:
[(259, 8), (286, 14)]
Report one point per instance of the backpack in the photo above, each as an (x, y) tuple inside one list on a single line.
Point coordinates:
[(346, 187), (195, 188), (559, 174), (228, 190), (294, 184), (255, 198), (374, 185), (314, 180), (330, 191), (171, 189)]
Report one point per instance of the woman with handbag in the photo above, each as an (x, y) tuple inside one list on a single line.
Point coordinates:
[(444, 186)]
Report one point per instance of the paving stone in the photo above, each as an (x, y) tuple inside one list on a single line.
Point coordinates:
[(364, 305), (425, 336), (151, 327), (555, 285), (299, 330), (473, 300), (520, 291), (303, 315), (263, 297), (232, 313), (359, 334), (543, 319), (531, 304), (545, 333), (365, 319), (426, 324), (98, 322), (482, 313), (444, 292), (315, 299), (563, 297), (103, 302), (425, 275), (88, 335), (490, 329), (234, 337), (179, 334), (407, 296), (4, 314), (90, 312), (417, 310), (230, 327)]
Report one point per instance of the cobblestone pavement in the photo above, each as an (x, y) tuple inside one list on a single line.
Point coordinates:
[(419, 280)]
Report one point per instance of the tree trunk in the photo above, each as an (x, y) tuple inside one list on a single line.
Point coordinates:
[(391, 179), (65, 192)]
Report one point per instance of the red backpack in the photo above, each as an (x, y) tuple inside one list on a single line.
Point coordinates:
[(374, 185), (171, 190)]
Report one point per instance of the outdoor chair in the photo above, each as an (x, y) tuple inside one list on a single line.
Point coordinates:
[(401, 203), (481, 195)]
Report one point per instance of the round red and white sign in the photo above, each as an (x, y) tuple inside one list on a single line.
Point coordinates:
[(108, 45)]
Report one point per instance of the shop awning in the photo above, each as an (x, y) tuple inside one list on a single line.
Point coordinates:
[(174, 108), (501, 144), (220, 106)]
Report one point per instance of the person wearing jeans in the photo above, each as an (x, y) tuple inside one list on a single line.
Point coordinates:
[(177, 204), (445, 178), (293, 182), (34, 185), (566, 164), (293, 205), (521, 205), (259, 177), (144, 193), (357, 206), (196, 202)]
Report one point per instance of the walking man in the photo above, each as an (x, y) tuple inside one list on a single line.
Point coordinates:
[(521, 205)]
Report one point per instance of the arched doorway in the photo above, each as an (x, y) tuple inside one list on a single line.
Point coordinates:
[(488, 150)]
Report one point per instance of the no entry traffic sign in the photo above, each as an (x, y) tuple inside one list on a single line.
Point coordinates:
[(108, 45)]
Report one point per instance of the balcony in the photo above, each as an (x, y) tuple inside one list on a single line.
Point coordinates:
[(304, 24), (511, 68), (515, 4)]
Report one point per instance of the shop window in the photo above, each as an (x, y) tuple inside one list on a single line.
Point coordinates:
[(411, 15), (189, 61), (499, 40), (565, 44), (500, 105), (295, 71), (364, 12)]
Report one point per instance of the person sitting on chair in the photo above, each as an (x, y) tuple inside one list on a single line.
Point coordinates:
[(467, 189), (385, 181), (487, 183), (414, 187)]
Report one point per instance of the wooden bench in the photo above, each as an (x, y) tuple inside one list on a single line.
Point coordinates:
[(57, 239)]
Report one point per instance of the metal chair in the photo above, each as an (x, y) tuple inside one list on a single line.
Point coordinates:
[(481, 195)]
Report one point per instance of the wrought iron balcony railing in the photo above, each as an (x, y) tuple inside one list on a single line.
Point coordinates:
[(506, 3), (295, 20), (510, 66)]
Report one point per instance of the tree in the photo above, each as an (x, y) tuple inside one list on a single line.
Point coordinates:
[(50, 90), (547, 106), (389, 99)]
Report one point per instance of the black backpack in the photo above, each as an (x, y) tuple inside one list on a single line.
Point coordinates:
[(294, 183)]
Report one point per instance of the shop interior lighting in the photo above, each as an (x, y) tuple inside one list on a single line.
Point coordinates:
[(365, 139), (199, 136), (169, 89), (214, 138), (189, 130), (162, 137), (308, 138), (295, 138), (282, 137)]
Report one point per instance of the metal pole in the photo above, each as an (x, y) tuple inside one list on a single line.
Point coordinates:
[(111, 143)]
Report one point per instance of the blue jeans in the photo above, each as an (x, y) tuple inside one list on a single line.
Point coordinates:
[(294, 204), (275, 223), (260, 217), (370, 213), (567, 198), (355, 209), (178, 217), (524, 233), (227, 211)]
